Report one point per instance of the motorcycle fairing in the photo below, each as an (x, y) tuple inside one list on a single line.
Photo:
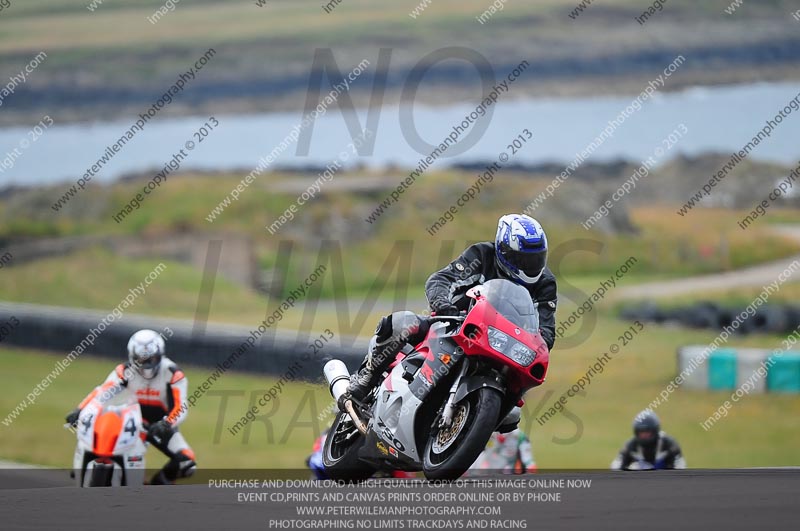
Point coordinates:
[(396, 396)]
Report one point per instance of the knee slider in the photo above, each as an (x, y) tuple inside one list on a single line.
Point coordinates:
[(384, 329), (405, 323)]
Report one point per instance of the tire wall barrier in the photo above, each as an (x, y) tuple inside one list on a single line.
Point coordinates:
[(61, 330), (727, 369), (768, 319)]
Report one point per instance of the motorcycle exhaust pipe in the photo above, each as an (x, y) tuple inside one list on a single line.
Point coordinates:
[(338, 377)]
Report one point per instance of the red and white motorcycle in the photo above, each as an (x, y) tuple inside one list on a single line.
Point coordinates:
[(443, 398), (111, 449)]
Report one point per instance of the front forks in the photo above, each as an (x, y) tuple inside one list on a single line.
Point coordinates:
[(450, 406)]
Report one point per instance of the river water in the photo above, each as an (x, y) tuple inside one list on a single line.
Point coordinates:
[(717, 119)]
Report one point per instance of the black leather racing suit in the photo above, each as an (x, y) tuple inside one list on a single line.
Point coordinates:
[(447, 287), (475, 266), (663, 454)]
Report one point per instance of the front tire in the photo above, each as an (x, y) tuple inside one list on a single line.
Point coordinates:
[(340, 453), (102, 475), (450, 452)]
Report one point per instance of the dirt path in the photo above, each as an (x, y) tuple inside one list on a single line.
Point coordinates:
[(755, 276)]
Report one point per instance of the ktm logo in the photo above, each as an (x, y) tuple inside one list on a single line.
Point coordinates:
[(148, 392)]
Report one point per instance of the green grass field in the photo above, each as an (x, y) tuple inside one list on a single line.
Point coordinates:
[(115, 48), (761, 430), (63, 281), (665, 245), (37, 436)]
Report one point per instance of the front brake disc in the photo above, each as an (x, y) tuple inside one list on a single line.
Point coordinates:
[(445, 437)]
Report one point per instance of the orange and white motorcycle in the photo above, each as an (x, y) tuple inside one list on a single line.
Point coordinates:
[(111, 448)]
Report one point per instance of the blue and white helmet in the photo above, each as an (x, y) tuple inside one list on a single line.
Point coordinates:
[(520, 248), (145, 350)]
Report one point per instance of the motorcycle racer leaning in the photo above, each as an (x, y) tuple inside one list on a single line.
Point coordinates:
[(160, 388), (519, 254)]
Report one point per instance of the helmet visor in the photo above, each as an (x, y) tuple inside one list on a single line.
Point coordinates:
[(146, 357), (146, 361), (530, 263), (646, 436)]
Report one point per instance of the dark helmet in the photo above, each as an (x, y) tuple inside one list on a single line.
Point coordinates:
[(646, 427)]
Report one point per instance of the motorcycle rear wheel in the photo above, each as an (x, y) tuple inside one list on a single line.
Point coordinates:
[(340, 453), (450, 452)]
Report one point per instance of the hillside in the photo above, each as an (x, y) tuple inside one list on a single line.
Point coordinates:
[(112, 62), (395, 251)]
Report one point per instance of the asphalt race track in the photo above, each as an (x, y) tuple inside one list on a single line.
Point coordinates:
[(709, 499)]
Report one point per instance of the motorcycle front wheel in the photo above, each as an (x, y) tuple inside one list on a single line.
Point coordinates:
[(450, 451), (102, 475)]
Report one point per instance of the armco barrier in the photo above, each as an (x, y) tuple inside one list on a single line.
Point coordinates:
[(728, 368), (60, 330)]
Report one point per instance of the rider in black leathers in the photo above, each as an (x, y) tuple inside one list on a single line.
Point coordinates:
[(519, 253), (649, 448)]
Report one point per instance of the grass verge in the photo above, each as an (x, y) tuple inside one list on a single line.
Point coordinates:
[(759, 431)]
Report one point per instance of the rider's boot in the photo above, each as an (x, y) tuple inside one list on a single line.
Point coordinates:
[(390, 337), (181, 465), (379, 357), (161, 479)]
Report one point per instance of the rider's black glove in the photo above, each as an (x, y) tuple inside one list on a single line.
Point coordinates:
[(446, 309), (72, 417), (160, 432)]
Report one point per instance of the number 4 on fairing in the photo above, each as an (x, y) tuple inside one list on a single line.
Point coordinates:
[(110, 450)]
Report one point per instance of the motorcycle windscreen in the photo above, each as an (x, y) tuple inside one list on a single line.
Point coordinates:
[(513, 302)]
